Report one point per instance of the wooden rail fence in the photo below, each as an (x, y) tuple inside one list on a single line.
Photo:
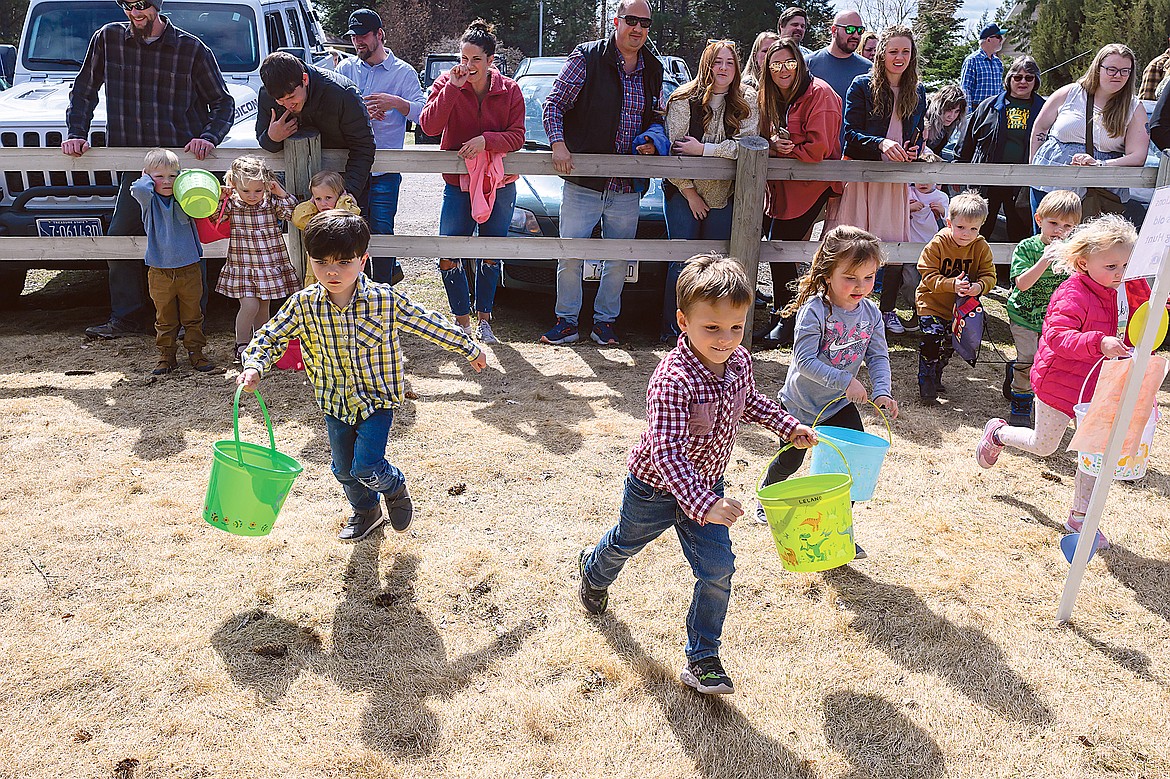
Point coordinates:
[(752, 170)]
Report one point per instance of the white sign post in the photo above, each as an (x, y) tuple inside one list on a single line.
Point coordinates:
[(1149, 258)]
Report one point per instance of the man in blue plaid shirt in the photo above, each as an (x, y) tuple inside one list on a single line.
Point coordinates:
[(982, 74), (348, 327)]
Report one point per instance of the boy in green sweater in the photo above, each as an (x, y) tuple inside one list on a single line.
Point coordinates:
[(1033, 283), (957, 261)]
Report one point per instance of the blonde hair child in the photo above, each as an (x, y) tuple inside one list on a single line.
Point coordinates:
[(258, 268), (837, 329), (1085, 324), (326, 191)]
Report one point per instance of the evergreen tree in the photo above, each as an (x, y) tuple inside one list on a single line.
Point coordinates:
[(938, 32)]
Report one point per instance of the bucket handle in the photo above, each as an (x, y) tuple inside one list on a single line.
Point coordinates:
[(786, 447), (1084, 384), (876, 407), (236, 422)]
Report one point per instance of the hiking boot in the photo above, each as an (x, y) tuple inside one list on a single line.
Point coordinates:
[(400, 508), (1021, 415), (892, 323), (361, 524), (1009, 370), (603, 334), (165, 365), (989, 446), (594, 600), (708, 677), (563, 332), (200, 362), (484, 334), (114, 328), (1074, 525)]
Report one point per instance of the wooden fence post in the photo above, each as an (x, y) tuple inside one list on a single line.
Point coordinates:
[(747, 215), (302, 158)]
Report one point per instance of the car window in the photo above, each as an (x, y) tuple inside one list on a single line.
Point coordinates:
[(59, 33), (294, 28), (277, 38)]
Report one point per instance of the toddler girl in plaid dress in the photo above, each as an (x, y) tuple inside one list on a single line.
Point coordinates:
[(258, 268)]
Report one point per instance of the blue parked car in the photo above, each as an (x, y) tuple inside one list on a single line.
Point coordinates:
[(538, 199)]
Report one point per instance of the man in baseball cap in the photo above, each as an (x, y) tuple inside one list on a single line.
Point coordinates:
[(363, 22), (982, 73)]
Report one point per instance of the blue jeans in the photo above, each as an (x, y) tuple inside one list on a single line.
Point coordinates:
[(681, 223), (456, 219), (581, 208), (645, 514), (359, 458), (383, 206)]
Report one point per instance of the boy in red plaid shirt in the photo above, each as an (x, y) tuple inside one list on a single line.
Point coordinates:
[(696, 399)]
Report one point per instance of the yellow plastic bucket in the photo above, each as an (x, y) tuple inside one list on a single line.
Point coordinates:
[(249, 483), (197, 192), (811, 519)]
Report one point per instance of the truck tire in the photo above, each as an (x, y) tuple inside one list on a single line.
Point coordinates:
[(11, 285)]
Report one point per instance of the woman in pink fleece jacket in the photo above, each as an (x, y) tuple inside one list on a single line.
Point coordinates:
[(480, 113), (1086, 322)]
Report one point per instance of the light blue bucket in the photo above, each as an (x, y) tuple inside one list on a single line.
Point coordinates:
[(858, 453)]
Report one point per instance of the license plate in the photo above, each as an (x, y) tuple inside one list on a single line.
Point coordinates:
[(591, 270), (70, 227)]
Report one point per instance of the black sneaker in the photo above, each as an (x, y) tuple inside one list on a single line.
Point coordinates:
[(361, 524), (594, 600), (114, 328), (708, 677), (400, 508)]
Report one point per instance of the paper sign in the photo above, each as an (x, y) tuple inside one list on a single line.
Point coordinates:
[(1153, 240)]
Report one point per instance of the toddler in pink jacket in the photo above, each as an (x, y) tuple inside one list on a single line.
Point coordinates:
[(1085, 322)]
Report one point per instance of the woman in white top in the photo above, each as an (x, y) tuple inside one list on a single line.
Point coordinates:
[(1120, 137)]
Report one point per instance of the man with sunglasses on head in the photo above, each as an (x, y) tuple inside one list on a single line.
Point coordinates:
[(838, 63), (163, 88), (982, 73), (607, 93)]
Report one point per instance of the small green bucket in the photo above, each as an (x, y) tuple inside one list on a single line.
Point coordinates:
[(249, 482), (197, 192), (811, 519)]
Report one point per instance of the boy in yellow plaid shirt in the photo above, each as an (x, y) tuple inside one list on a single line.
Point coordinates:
[(348, 327)]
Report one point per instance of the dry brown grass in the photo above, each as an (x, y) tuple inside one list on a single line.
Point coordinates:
[(157, 646)]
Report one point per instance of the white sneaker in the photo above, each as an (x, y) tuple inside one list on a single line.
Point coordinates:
[(467, 331), (484, 334), (892, 323)]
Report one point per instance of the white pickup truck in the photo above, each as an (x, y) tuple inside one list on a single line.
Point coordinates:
[(32, 112)]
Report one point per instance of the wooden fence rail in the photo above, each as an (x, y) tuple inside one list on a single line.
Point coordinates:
[(302, 157)]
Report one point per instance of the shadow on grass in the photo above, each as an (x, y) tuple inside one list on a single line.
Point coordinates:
[(382, 645), (1033, 510), (1149, 579), (723, 743), (902, 625), (878, 740), (1137, 663)]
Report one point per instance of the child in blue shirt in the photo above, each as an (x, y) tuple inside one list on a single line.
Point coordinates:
[(174, 276)]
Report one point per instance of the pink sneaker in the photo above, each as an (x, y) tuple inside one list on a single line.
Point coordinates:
[(989, 447), (1075, 523)]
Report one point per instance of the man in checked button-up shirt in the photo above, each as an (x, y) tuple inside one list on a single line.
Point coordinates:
[(348, 328)]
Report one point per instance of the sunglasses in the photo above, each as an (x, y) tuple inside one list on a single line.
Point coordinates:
[(1115, 72), (637, 21), (140, 5), (1023, 77), (780, 67), (850, 29)]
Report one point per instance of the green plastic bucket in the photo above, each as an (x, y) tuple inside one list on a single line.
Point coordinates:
[(249, 482), (811, 519), (197, 192)]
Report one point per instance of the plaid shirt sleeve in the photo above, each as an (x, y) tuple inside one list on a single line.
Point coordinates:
[(270, 341), (1152, 77), (212, 91), (565, 91), (83, 98), (763, 410), (413, 318), (668, 416)]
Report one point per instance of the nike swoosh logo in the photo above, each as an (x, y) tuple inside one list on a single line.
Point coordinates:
[(834, 348)]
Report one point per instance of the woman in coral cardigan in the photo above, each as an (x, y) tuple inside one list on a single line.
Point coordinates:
[(480, 113), (801, 117)]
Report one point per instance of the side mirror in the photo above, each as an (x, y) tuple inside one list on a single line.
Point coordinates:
[(8, 63)]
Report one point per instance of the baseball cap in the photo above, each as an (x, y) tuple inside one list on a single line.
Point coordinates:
[(363, 21), (989, 31)]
